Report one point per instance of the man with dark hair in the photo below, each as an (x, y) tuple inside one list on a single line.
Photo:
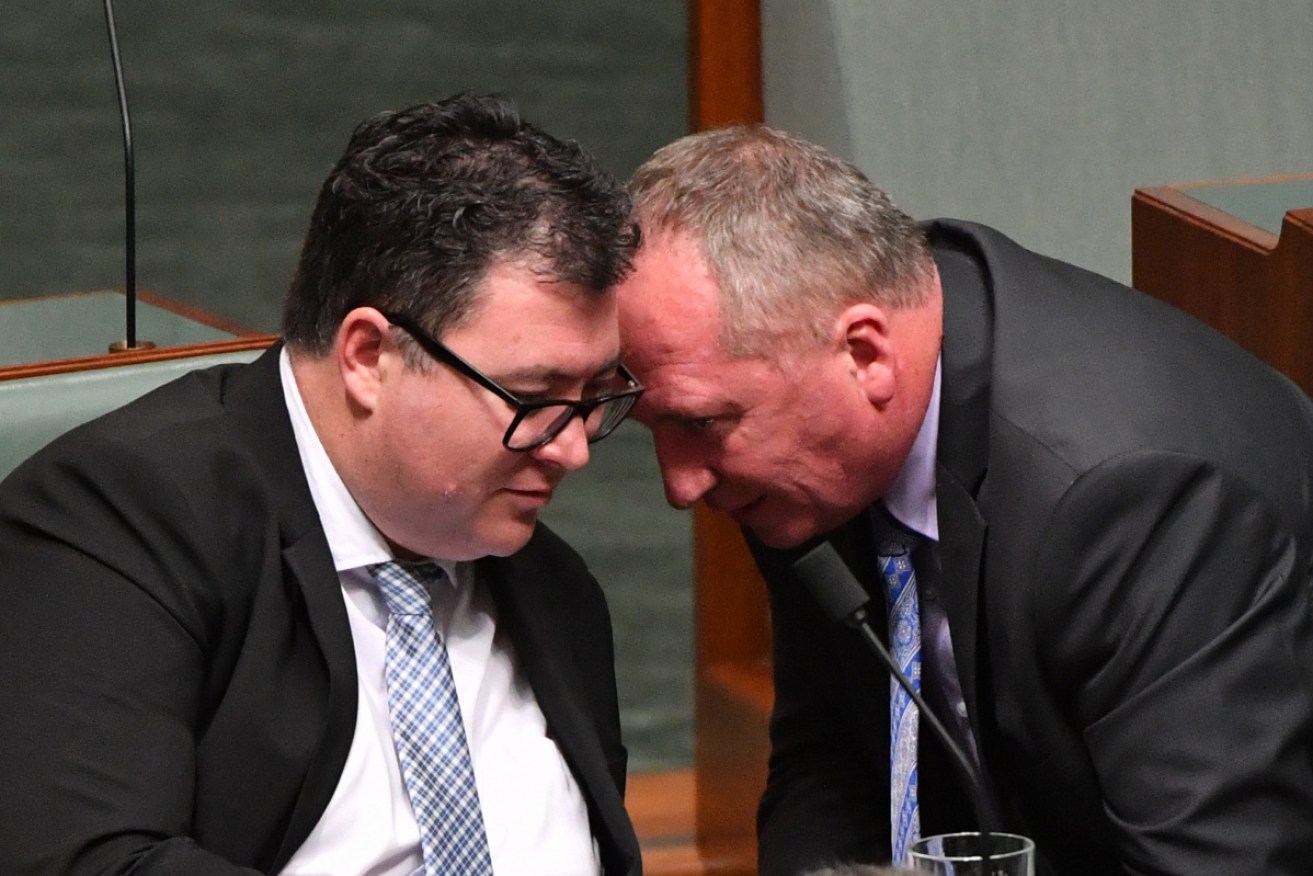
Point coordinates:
[(1090, 520), (297, 616)]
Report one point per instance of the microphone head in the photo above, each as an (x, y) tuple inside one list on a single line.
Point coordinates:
[(830, 582)]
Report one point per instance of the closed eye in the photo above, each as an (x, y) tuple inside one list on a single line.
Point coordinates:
[(710, 424), (696, 423)]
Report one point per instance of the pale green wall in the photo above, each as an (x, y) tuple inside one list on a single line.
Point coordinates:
[(1042, 117)]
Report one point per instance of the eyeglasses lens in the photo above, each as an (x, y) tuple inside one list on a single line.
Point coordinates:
[(540, 425)]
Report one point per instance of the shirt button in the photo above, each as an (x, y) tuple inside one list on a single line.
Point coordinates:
[(961, 709)]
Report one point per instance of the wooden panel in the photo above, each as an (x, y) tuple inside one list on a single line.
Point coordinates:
[(733, 686), (662, 807), (1251, 285), (731, 613), (698, 860), (724, 53), (703, 822), (733, 745)]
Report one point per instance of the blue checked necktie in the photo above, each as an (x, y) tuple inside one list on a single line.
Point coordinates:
[(905, 644), (427, 728)]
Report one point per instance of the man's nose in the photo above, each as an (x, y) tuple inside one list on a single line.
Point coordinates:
[(569, 449), (686, 475)]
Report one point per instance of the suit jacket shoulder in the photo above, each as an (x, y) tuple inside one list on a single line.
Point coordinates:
[(1129, 491), (180, 545)]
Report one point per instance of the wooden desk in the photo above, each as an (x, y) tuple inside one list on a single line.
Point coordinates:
[(1239, 256)]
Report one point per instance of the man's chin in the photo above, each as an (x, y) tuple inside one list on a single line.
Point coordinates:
[(512, 539), (781, 536), (497, 539), (790, 531)]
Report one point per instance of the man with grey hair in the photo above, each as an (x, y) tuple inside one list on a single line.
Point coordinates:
[(1090, 517)]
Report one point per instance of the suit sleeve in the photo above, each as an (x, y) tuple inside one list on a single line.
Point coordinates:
[(823, 800), (1175, 600), (103, 654)]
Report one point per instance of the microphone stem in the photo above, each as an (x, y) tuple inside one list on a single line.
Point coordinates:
[(130, 188), (841, 598)]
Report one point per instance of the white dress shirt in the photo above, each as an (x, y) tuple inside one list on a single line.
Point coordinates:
[(534, 812)]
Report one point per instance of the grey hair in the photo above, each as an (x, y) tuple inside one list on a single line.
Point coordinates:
[(791, 233)]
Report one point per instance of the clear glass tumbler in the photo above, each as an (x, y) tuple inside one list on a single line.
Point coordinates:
[(962, 854)]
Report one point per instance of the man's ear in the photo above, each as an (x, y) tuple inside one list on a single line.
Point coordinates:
[(365, 356), (862, 332)]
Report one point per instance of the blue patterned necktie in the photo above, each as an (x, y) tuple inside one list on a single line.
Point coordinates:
[(905, 645), (427, 727)]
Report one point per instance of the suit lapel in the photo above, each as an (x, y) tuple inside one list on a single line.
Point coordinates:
[(963, 446), (311, 569), (538, 647), (960, 567)]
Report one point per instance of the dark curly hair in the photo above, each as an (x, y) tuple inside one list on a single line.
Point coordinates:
[(426, 200)]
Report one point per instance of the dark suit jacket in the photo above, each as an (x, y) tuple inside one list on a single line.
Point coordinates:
[(1126, 519), (176, 663)]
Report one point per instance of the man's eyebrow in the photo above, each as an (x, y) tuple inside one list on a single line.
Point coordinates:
[(544, 374), (680, 413)]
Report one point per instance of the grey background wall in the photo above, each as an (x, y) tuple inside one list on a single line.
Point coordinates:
[(241, 107), (1042, 117)]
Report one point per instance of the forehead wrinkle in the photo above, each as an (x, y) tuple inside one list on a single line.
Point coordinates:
[(684, 390)]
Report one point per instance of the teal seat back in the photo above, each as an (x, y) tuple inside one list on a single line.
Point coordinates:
[(36, 410)]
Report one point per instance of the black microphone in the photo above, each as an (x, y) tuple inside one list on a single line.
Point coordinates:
[(844, 600)]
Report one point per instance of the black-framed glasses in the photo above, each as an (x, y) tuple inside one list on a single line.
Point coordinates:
[(537, 421)]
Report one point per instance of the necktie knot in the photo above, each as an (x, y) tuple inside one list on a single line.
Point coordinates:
[(893, 541), (405, 585)]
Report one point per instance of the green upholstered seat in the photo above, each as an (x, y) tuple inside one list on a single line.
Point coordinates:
[(35, 410)]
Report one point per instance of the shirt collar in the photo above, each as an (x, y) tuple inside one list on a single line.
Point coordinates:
[(911, 498), (352, 539)]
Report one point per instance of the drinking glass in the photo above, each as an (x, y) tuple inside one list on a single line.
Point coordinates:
[(959, 854)]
